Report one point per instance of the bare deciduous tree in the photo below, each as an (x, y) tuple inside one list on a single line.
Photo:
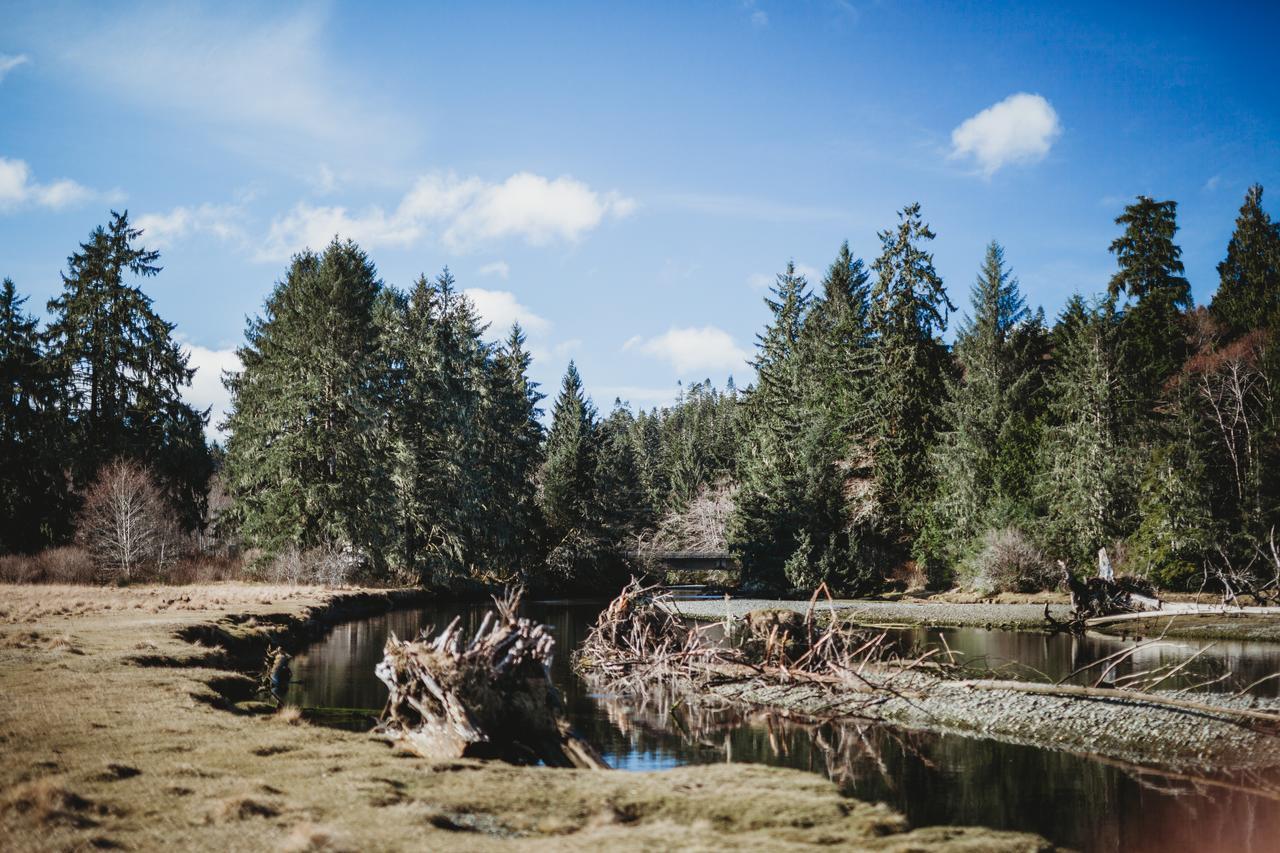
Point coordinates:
[(126, 524)]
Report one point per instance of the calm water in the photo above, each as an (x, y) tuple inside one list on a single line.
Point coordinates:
[(1073, 800)]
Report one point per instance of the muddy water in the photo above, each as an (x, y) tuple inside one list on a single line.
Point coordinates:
[(1076, 801)]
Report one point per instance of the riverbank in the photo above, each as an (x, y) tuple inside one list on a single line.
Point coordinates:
[(1023, 615), (1127, 727), (125, 725), (1007, 612)]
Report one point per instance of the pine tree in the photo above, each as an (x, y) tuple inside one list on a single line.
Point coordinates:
[(567, 492), (124, 372), (768, 519), (908, 315), (1153, 333), (34, 499), (440, 472), (620, 502), (1084, 486), (303, 467), (513, 451), (1248, 294), (985, 458)]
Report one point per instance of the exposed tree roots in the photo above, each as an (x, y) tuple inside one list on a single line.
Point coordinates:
[(490, 696)]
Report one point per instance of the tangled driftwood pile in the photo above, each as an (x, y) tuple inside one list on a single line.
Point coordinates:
[(488, 696)]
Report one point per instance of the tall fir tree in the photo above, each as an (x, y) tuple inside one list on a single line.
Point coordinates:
[(766, 527), (123, 371), (1085, 486), (908, 314), (437, 416), (1150, 277), (985, 458), (567, 487), (570, 456), (1248, 294), (513, 454), (34, 495), (302, 467)]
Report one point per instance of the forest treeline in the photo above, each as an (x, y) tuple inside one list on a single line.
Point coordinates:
[(376, 434)]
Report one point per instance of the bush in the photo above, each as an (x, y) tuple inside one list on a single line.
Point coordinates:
[(315, 566), (1007, 561), (68, 564)]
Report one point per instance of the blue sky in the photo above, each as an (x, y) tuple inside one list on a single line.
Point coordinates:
[(624, 178)]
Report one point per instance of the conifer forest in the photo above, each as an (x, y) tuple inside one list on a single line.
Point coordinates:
[(377, 434)]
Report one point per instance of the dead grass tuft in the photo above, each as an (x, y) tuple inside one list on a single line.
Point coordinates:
[(243, 808), (47, 802), (290, 715)]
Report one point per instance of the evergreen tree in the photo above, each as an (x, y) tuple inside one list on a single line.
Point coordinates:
[(1248, 294), (123, 371), (513, 453), (768, 519), (570, 457), (34, 498), (1153, 333), (567, 492), (985, 458), (440, 472), (1085, 462), (620, 500), (303, 466), (908, 314)]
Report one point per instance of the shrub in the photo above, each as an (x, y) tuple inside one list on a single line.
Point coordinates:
[(1007, 561), (68, 564), (319, 566)]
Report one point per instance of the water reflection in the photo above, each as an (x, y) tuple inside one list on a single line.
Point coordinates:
[(1076, 801)]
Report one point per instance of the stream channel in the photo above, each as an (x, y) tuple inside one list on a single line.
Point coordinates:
[(1077, 801)]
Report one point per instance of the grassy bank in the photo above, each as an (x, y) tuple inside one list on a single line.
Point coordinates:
[(116, 732)]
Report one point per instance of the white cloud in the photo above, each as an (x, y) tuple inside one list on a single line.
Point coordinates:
[(17, 188), (498, 268), (501, 308), (308, 226), (1019, 130), (8, 63), (226, 67), (1212, 184), (525, 205), (693, 349), (206, 389), (462, 213), (759, 281), (759, 18), (222, 221)]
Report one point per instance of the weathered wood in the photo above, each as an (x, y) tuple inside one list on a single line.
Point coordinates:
[(1182, 610), (490, 696)]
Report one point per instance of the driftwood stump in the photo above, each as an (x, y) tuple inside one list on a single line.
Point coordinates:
[(487, 697)]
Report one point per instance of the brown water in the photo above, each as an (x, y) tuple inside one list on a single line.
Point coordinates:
[(1074, 800)]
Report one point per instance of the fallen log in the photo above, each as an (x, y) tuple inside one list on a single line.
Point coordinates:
[(488, 697)]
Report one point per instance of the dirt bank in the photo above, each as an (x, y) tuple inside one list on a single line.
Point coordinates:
[(115, 733)]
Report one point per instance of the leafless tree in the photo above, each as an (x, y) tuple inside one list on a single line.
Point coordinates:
[(126, 524)]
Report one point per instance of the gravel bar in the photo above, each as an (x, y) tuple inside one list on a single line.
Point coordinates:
[(945, 614)]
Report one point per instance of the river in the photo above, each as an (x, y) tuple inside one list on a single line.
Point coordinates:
[(1078, 801)]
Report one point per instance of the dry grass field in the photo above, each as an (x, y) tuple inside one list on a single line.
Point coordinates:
[(118, 730)]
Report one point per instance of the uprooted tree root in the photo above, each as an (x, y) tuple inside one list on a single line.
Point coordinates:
[(638, 644), (490, 696)]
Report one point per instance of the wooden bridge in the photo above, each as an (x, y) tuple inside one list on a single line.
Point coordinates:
[(701, 567)]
